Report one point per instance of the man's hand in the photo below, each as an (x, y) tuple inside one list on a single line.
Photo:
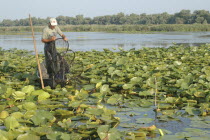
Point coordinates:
[(65, 39), (53, 38)]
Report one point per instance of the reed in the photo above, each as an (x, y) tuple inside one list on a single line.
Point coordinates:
[(116, 28)]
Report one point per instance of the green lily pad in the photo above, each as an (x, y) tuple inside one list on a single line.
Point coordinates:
[(42, 117), (17, 115), (11, 123), (94, 111), (105, 132), (144, 120), (105, 89), (19, 95), (114, 99), (28, 89), (30, 106), (28, 136), (127, 86)]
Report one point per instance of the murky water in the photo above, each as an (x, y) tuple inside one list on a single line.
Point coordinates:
[(86, 41)]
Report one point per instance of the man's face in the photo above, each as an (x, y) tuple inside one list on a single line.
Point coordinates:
[(52, 27)]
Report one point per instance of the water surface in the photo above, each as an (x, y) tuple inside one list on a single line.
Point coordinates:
[(86, 41)]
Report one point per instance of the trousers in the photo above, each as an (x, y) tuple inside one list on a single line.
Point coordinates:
[(51, 59)]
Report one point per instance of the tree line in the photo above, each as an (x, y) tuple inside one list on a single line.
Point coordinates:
[(182, 17)]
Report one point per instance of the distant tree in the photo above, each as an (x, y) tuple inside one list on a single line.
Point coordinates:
[(182, 17), (199, 20), (87, 20), (7, 22), (201, 15), (205, 22), (185, 15), (61, 20), (79, 19)]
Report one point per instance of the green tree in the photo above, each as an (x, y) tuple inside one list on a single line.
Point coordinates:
[(7, 22)]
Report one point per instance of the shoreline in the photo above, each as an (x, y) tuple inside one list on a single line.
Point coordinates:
[(134, 29)]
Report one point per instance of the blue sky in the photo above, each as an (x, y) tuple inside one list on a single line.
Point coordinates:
[(19, 9)]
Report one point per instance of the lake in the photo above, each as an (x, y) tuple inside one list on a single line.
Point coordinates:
[(86, 41)]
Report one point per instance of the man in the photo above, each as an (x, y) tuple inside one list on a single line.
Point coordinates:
[(49, 37)]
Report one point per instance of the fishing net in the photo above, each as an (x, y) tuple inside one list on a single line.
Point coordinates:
[(62, 46), (65, 66)]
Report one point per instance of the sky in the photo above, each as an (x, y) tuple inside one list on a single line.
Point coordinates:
[(20, 9)]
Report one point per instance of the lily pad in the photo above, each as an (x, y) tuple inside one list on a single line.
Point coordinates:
[(105, 132)]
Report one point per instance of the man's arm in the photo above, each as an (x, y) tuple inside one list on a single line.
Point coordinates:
[(49, 40), (64, 37), (61, 33)]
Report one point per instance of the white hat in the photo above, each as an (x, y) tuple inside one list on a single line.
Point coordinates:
[(53, 22)]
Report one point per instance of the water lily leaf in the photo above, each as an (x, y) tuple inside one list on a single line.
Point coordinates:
[(151, 82), (3, 88), (127, 86), (63, 112), (117, 72), (128, 125), (165, 106), (11, 123), (145, 93), (28, 89), (74, 103), (150, 128), (199, 138), (111, 70), (19, 95), (42, 117), (114, 99), (192, 111), (8, 92), (4, 114), (72, 136), (89, 87), (94, 81), (200, 94), (54, 135), (105, 89), (144, 120), (177, 63), (171, 100), (105, 132), (3, 135), (109, 112), (10, 135), (98, 95), (17, 115), (169, 137), (124, 119), (37, 92), (30, 106), (183, 84), (94, 111), (28, 136), (136, 80), (29, 114), (44, 130), (82, 95), (66, 123), (199, 124), (43, 96), (98, 85)]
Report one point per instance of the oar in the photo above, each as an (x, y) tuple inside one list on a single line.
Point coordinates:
[(36, 53)]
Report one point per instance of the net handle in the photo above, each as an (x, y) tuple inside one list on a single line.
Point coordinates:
[(67, 48)]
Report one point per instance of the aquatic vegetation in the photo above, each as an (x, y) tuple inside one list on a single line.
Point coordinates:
[(156, 93)]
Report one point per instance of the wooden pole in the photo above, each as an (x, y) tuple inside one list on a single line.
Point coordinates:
[(36, 53)]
